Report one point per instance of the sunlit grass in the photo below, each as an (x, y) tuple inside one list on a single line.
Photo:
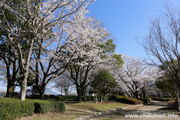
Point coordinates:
[(98, 107), (75, 110)]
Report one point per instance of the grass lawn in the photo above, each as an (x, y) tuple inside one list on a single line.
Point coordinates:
[(75, 110)]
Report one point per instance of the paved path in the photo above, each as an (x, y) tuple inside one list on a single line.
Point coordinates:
[(153, 111)]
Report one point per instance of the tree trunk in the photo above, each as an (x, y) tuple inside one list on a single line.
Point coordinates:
[(66, 91), (79, 98), (80, 94), (42, 93), (136, 94), (23, 87), (10, 82), (95, 98), (61, 91), (101, 98), (144, 94), (24, 68), (10, 88), (24, 73), (177, 100)]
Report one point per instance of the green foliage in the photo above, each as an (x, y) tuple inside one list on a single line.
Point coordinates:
[(13, 108), (145, 100), (67, 98), (87, 98), (102, 82), (38, 96), (161, 99), (58, 106), (30, 79), (114, 97), (109, 50), (166, 83), (128, 100), (44, 106), (109, 47), (74, 98), (119, 61)]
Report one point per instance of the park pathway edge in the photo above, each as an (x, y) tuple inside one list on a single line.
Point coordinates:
[(106, 112)]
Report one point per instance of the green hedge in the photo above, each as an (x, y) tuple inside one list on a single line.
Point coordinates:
[(87, 98), (12, 108), (67, 98), (162, 99), (39, 97), (111, 97), (58, 106), (145, 100), (128, 100), (44, 106), (74, 98)]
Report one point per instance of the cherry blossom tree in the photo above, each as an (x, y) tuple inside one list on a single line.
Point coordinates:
[(7, 57), (135, 75), (51, 62), (112, 63), (35, 22), (87, 37), (149, 77), (64, 83)]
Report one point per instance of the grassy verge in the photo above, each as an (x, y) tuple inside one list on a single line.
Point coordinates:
[(75, 110)]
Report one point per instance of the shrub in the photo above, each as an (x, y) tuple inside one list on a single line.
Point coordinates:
[(14, 108), (87, 98), (67, 98), (74, 98), (161, 99), (172, 105), (145, 100), (38, 97), (44, 106), (15, 95), (169, 99), (113, 97), (58, 106), (128, 100)]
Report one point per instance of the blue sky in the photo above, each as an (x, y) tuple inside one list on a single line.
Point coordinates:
[(129, 20)]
